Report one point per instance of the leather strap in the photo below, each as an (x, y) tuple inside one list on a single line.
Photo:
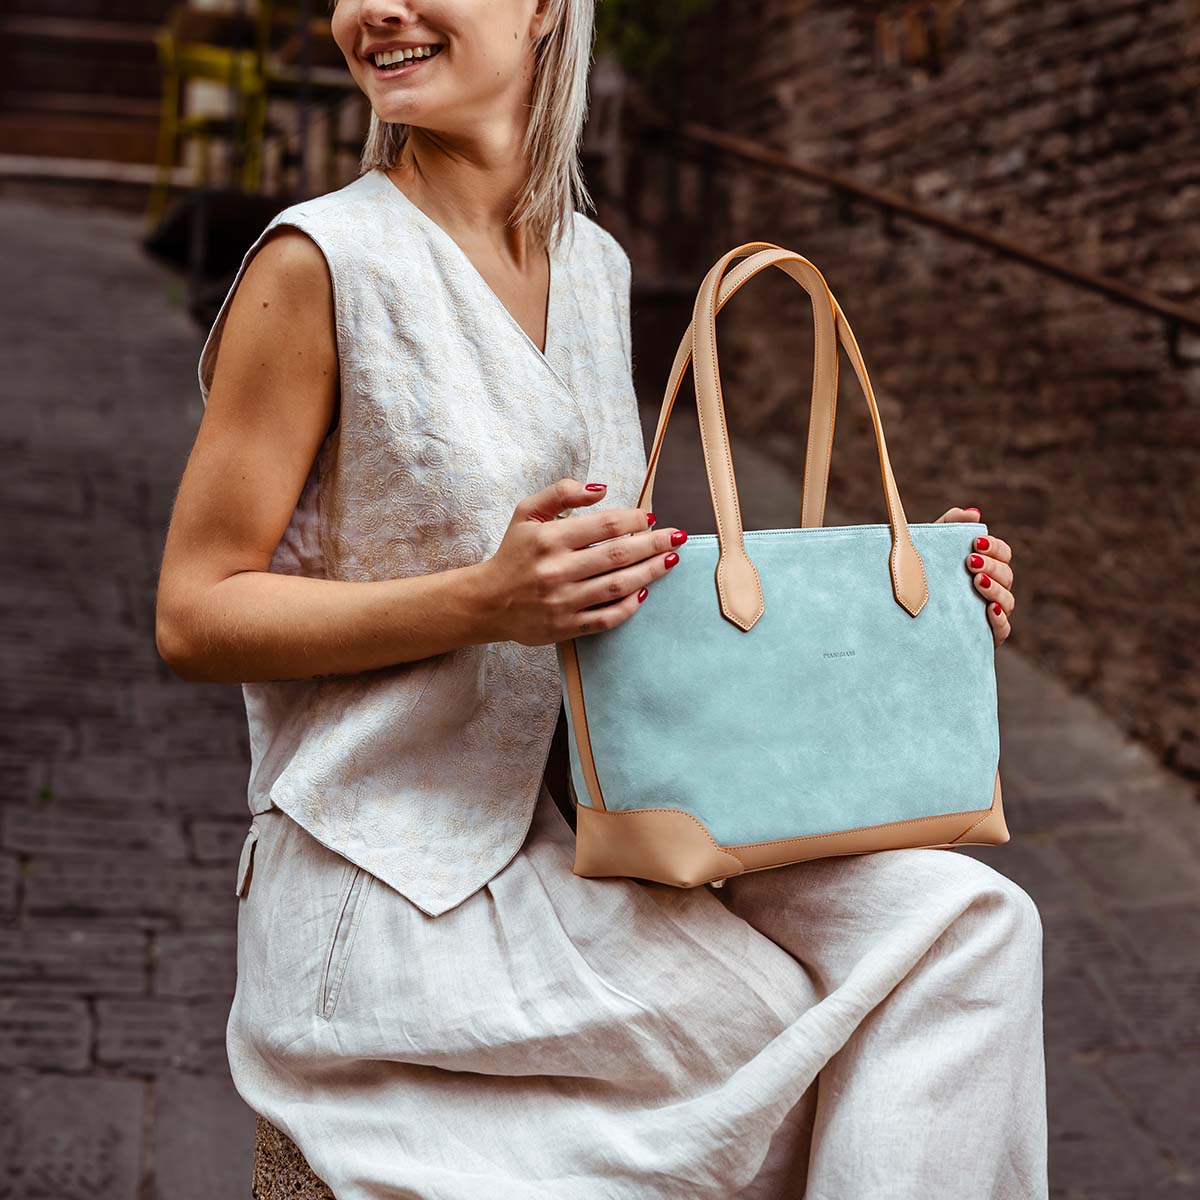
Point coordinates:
[(738, 584)]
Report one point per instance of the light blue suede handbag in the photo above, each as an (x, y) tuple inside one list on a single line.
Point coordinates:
[(786, 694)]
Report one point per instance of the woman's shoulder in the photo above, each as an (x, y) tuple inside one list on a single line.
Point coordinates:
[(603, 246), (344, 208)]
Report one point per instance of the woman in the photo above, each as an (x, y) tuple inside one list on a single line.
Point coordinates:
[(415, 376)]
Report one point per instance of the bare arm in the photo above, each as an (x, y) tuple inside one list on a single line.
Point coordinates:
[(222, 616)]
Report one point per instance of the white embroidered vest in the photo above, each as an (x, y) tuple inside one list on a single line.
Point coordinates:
[(426, 773)]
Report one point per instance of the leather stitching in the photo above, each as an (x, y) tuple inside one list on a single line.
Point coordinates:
[(637, 812), (591, 758), (820, 518), (583, 736), (709, 292), (734, 279), (891, 495), (673, 384), (861, 829), (974, 825), (843, 335), (710, 296)]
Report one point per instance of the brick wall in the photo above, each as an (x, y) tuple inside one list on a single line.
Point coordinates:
[(1067, 127)]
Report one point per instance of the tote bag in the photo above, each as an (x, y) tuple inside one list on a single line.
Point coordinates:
[(785, 694)]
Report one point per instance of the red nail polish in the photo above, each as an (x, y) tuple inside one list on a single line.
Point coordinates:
[(982, 543), (671, 559), (970, 508), (649, 518), (984, 581), (996, 609), (975, 561), (679, 537), (595, 487), (643, 594)]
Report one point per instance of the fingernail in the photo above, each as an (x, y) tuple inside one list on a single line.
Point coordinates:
[(679, 537), (643, 594), (982, 543), (671, 559), (975, 561), (984, 581), (595, 487), (969, 508), (649, 518), (996, 608)]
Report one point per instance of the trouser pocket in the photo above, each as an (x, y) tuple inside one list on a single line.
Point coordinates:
[(246, 861), (349, 911)]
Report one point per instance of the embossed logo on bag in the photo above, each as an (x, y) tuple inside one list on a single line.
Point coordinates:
[(838, 654)]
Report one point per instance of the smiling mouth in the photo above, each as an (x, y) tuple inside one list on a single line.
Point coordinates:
[(403, 65)]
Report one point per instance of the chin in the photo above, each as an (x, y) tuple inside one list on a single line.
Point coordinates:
[(398, 114)]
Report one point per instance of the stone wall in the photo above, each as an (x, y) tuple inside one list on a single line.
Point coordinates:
[(1070, 420)]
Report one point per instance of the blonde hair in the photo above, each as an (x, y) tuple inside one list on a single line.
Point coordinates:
[(555, 185)]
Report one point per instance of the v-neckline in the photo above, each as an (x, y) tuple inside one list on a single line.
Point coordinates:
[(552, 298)]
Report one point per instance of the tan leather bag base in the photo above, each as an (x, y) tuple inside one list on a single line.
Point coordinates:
[(668, 845)]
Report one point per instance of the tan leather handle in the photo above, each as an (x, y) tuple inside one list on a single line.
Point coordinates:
[(822, 411), (824, 393), (738, 584)]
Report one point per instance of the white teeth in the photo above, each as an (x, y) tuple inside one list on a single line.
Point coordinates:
[(394, 56)]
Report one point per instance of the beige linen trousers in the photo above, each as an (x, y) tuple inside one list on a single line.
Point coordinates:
[(866, 1027)]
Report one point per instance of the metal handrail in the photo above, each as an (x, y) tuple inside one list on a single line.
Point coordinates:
[(1175, 315)]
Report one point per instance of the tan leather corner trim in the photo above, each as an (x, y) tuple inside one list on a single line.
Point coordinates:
[(668, 845), (945, 829), (583, 741), (991, 829), (665, 845)]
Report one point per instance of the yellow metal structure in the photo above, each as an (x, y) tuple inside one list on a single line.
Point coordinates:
[(193, 45)]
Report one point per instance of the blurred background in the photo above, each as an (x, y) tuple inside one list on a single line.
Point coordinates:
[(1005, 197)]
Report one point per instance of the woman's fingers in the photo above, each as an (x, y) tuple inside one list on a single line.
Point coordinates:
[(592, 561), (994, 547), (652, 556), (593, 528), (998, 620), (981, 563), (1000, 602), (959, 514), (994, 592), (990, 564)]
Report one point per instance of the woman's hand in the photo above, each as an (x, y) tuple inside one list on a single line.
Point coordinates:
[(547, 574), (990, 562)]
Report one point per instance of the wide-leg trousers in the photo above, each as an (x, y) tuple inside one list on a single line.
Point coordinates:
[(867, 1027)]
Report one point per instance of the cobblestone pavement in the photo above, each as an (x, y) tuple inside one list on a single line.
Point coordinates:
[(124, 788)]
